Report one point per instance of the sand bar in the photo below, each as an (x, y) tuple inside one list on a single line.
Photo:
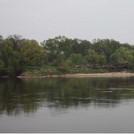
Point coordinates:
[(80, 75)]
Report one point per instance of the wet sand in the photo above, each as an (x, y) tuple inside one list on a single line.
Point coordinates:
[(80, 75)]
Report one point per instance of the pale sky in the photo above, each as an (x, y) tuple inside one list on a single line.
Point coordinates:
[(83, 19)]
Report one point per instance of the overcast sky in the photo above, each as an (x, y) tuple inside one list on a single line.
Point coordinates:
[(83, 19)]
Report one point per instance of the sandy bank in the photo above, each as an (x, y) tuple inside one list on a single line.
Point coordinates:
[(111, 74)]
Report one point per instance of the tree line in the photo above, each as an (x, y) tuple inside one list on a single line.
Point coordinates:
[(17, 53)]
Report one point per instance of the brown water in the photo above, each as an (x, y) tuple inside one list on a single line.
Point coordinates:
[(67, 105)]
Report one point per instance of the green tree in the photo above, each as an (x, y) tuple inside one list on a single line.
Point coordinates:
[(57, 46), (122, 55), (6, 51), (32, 53), (76, 59), (1, 38), (105, 47), (15, 65), (94, 58), (81, 46), (10, 59), (16, 40), (1, 61)]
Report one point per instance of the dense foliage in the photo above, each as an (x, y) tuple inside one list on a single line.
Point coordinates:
[(17, 53)]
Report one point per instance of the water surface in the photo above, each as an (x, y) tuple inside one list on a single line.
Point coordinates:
[(67, 105)]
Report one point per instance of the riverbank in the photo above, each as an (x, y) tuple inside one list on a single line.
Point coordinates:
[(80, 75)]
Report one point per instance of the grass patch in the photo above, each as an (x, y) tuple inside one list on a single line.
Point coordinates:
[(42, 71)]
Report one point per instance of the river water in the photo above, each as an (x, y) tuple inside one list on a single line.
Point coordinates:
[(67, 105)]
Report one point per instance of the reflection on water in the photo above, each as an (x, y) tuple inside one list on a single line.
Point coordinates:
[(29, 95)]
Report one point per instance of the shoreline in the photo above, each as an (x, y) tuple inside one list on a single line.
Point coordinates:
[(82, 75)]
